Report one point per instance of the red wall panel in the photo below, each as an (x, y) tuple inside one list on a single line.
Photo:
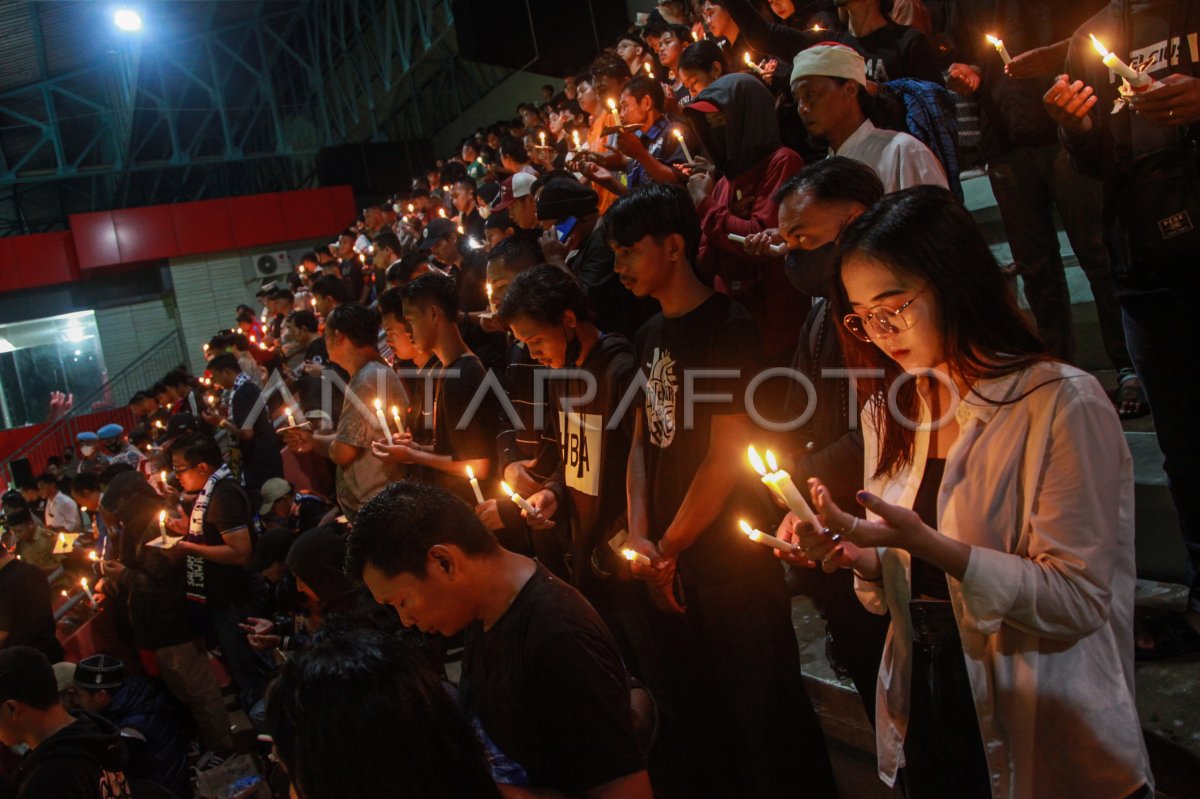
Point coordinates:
[(10, 272), (145, 234), (306, 214), (95, 239), (45, 259), (257, 219), (203, 226)]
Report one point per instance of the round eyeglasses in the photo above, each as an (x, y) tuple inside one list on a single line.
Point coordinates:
[(881, 320)]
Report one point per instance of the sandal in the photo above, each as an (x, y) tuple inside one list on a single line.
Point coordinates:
[(1130, 399), (1172, 634)]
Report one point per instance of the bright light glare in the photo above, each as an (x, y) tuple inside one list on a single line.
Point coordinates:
[(127, 20)]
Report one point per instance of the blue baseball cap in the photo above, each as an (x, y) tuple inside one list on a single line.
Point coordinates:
[(110, 431)]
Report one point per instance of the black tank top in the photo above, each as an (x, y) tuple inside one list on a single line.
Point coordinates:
[(928, 581)]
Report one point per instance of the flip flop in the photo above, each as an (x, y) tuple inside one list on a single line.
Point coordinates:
[(1172, 634), (1130, 393)]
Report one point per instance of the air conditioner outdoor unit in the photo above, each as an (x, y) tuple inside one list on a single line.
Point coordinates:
[(271, 264)]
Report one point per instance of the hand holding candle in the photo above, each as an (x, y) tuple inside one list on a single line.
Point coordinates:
[(1000, 48), (475, 486), (1136, 80), (383, 425), (520, 501), (633, 556), (750, 62), (612, 106), (759, 537), (781, 485)]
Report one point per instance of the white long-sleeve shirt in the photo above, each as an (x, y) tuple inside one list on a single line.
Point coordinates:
[(63, 514), (1042, 491), (900, 160)]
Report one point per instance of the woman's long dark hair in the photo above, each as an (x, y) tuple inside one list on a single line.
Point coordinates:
[(925, 232), (359, 714)]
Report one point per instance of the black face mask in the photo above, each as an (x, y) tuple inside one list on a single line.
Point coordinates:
[(811, 271)]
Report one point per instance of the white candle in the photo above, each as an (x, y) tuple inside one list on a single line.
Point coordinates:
[(1137, 80), (575, 138), (396, 419), (612, 105), (91, 597), (542, 137), (750, 63), (162, 527), (1000, 48), (780, 483), (686, 154), (475, 486), (634, 556), (491, 306), (759, 537), (777, 249), (383, 425), (519, 501), (291, 418)]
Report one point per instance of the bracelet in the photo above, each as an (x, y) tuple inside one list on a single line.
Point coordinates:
[(876, 581)]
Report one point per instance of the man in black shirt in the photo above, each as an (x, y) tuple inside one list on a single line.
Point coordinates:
[(688, 486), (460, 439), (218, 546), (249, 423), (540, 671), (69, 758), (25, 615), (310, 373)]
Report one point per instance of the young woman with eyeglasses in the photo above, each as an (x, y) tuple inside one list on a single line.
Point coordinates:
[(999, 495)]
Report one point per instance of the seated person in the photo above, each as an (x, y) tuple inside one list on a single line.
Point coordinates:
[(533, 644), (26, 618), (34, 543), (69, 758), (150, 722)]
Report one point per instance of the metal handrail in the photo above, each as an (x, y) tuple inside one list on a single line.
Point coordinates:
[(103, 392)]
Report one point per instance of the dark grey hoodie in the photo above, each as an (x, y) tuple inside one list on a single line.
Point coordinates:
[(84, 760)]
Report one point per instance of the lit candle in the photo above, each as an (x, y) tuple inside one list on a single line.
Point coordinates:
[(460, 230), (62, 541), (1137, 80), (686, 153), (91, 597), (612, 106), (649, 71), (491, 307), (162, 478), (313, 302), (817, 28), (575, 138), (475, 486), (162, 527), (291, 418), (1000, 48), (634, 556), (264, 314), (253, 340), (383, 425), (519, 500), (759, 537), (777, 249), (158, 423), (442, 213), (410, 208), (542, 137), (750, 63), (396, 419), (780, 483)]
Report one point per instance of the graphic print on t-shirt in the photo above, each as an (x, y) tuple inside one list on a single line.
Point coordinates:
[(661, 390), (582, 434)]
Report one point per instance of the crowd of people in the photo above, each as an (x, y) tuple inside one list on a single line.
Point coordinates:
[(466, 508)]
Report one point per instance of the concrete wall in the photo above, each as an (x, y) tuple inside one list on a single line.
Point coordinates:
[(500, 103)]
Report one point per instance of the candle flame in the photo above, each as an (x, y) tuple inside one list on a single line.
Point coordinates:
[(83, 582), (64, 592), (470, 473), (162, 516), (378, 404), (648, 70), (992, 40), (817, 28), (612, 104), (489, 289), (629, 554), (460, 230), (772, 464), (62, 539), (442, 213), (410, 208), (92, 556), (756, 461), (749, 61), (1100, 48), (750, 532), (395, 410), (677, 134), (507, 490)]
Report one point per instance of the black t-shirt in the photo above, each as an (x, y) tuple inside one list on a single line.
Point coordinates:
[(218, 585), (718, 334), (477, 438), (548, 685), (310, 387), (25, 609), (261, 458)]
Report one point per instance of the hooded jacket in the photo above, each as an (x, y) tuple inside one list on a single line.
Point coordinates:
[(743, 139), (84, 760)]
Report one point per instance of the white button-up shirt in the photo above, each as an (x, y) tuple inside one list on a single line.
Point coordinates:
[(900, 160), (63, 513), (1042, 491)]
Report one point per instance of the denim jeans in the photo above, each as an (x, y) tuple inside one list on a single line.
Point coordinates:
[(1030, 183), (943, 749)]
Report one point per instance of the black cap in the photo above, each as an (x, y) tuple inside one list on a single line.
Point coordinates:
[(434, 232), (562, 198), (488, 192), (498, 220), (179, 426), (100, 672), (272, 547)]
